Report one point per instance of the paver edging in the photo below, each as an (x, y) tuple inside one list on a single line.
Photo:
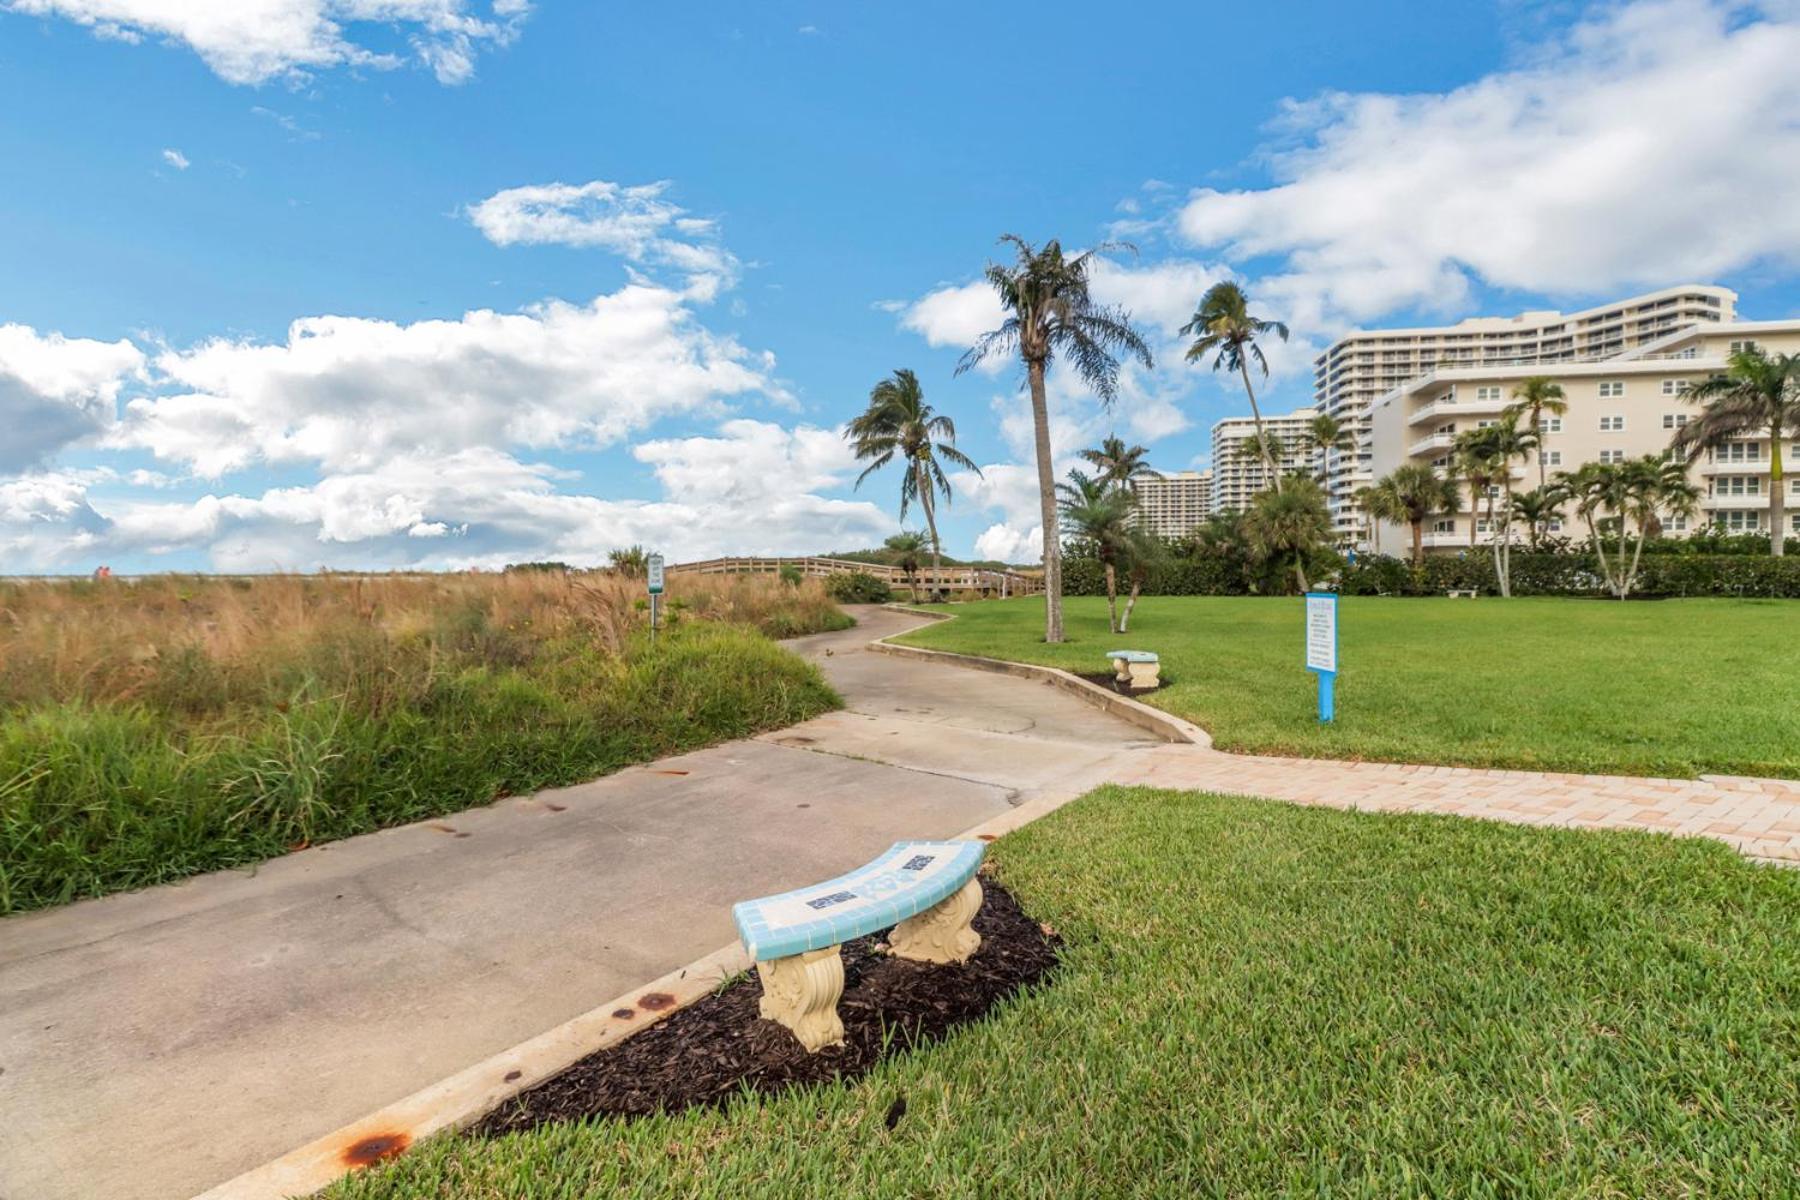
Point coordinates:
[(460, 1100), (1164, 725)]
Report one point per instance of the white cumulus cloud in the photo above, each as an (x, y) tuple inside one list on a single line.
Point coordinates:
[(176, 159), (1656, 143), (637, 222), (55, 391), (255, 41)]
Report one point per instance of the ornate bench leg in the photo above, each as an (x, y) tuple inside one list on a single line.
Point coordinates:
[(1121, 670), (801, 991), (942, 933), (1145, 675)]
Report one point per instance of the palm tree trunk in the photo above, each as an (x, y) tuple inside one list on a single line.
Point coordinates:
[(1262, 438), (925, 501), (1137, 585), (1626, 581), (1537, 427), (1418, 528), (1112, 598), (1777, 498), (1040, 420), (1300, 574)]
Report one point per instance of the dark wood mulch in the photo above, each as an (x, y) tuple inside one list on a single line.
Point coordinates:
[(711, 1050), (1107, 679)]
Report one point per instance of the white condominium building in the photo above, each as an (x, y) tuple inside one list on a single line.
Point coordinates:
[(1174, 504), (1359, 369), (1620, 408), (1237, 466)]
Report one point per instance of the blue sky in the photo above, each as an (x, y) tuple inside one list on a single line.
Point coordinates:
[(571, 276)]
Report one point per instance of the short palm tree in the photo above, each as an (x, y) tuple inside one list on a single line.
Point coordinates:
[(1103, 517), (898, 421), (1051, 311), (1618, 494), (1290, 526), (906, 546), (1532, 398), (1482, 471), (1223, 327), (1414, 493), (1325, 434), (1376, 505), (1493, 449), (1537, 508), (1757, 397), (1118, 464)]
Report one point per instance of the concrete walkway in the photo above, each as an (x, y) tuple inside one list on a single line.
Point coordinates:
[(157, 1043)]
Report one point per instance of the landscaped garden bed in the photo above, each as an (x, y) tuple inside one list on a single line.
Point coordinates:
[(719, 1049), (1260, 999)]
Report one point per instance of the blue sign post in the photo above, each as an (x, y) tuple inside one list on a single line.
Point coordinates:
[(1322, 647)]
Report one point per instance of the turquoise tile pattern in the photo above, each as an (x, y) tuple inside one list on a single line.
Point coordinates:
[(906, 880)]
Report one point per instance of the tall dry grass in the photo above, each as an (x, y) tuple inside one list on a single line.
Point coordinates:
[(151, 729)]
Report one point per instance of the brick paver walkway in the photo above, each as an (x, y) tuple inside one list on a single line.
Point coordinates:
[(1758, 817)]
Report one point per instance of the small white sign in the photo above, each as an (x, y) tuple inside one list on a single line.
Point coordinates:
[(654, 570), (1321, 631)]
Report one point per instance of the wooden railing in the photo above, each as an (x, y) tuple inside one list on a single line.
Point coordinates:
[(976, 580)]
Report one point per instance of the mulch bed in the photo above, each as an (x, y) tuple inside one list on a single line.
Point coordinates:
[(717, 1047), (1107, 679)]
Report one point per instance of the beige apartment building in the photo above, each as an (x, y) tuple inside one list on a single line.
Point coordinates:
[(1176, 503), (1359, 370), (1237, 467), (1620, 407)]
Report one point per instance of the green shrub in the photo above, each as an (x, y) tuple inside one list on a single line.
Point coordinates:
[(858, 587)]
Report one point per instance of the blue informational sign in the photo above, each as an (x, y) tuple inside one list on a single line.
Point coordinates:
[(1322, 647)]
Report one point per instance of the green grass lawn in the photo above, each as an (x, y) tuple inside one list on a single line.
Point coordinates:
[(1260, 999), (1676, 687)]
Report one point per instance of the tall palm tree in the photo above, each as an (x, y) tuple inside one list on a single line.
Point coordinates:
[(1482, 471), (1416, 493), (1103, 516), (898, 421), (1223, 327), (1325, 433), (1050, 312), (1532, 398), (906, 546), (1118, 464), (1757, 397), (1617, 494), (1291, 525)]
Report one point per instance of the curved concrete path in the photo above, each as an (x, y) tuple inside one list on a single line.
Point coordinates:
[(157, 1043)]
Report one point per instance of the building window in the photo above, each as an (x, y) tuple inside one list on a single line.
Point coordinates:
[(1486, 424), (1551, 425), (1612, 390), (1738, 485), (1674, 420), (1675, 387), (1677, 525), (1444, 527), (1612, 424), (1553, 458), (1739, 521), (1554, 525), (1733, 452), (1612, 456), (1487, 393), (1743, 347)]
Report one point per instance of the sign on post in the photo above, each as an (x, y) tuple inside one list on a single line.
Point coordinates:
[(654, 572), (1322, 647)]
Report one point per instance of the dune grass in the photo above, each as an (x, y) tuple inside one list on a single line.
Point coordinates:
[(1668, 688), (1265, 1000), (153, 730)]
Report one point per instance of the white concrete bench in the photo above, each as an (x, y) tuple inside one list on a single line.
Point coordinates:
[(926, 890), (1456, 593), (1136, 669)]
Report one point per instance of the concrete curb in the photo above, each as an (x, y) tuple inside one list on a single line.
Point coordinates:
[(1164, 725)]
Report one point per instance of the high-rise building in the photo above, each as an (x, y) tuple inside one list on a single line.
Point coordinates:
[(1176, 503), (1237, 466), (1359, 369), (1619, 408)]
